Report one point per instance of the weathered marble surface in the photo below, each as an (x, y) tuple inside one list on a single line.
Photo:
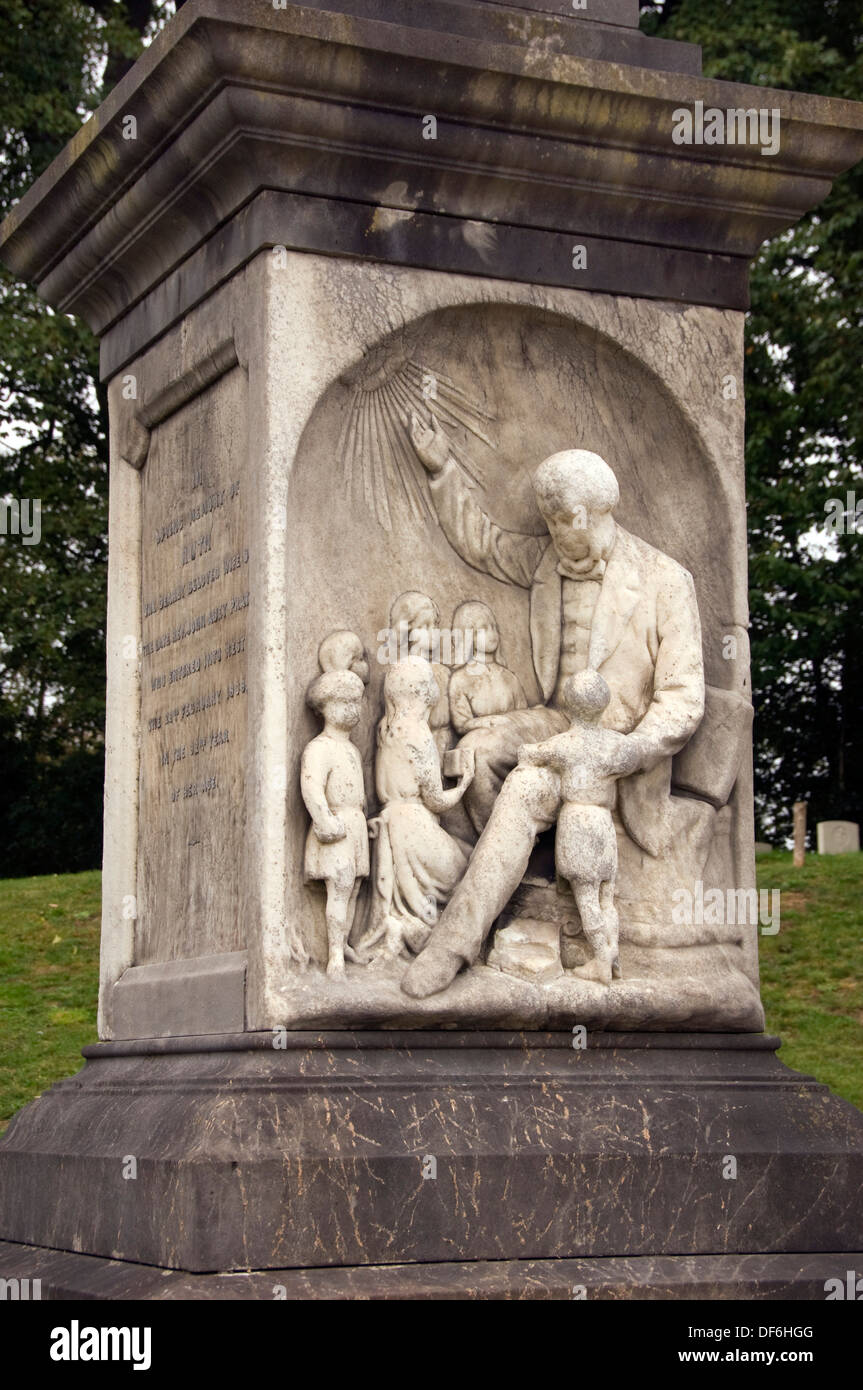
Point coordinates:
[(618, 1149), (195, 594), (255, 263), (322, 345), (212, 177), (666, 998), (650, 1277), (276, 259), (485, 371)]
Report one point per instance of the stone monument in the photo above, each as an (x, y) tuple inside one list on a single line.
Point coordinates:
[(837, 837), (429, 890)]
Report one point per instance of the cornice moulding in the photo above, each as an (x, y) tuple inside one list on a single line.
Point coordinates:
[(311, 103)]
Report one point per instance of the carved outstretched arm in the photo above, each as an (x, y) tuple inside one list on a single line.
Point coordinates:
[(434, 796), (541, 754), (628, 758), (460, 711), (481, 543)]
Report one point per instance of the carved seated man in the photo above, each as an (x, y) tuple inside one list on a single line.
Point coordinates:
[(600, 597)]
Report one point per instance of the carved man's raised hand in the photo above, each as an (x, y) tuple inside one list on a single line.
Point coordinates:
[(431, 443)]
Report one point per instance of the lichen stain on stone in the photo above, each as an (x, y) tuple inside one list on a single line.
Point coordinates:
[(385, 219)]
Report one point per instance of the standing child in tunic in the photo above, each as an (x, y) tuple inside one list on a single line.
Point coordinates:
[(331, 780), (589, 760)]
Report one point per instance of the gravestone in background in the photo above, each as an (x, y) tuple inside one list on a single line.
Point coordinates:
[(837, 836), (418, 325)]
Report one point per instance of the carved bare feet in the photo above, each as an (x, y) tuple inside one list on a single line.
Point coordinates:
[(431, 972), (597, 970), (336, 966)]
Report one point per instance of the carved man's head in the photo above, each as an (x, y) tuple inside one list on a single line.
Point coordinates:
[(577, 492)]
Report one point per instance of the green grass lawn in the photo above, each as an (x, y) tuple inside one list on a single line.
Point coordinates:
[(811, 974), (49, 980), (812, 970)]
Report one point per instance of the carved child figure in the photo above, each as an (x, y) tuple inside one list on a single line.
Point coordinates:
[(483, 685), (418, 863), (589, 760), (331, 780), (342, 650), (415, 620)]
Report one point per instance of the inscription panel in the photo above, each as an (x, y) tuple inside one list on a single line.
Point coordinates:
[(195, 605)]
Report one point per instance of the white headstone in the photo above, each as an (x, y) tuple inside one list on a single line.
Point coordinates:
[(838, 836)]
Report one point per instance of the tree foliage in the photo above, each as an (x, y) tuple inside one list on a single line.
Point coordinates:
[(58, 58), (804, 420)]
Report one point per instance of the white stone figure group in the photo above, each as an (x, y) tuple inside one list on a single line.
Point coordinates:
[(616, 646), (601, 599), (418, 863)]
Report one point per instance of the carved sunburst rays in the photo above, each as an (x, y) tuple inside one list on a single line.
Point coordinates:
[(379, 460)]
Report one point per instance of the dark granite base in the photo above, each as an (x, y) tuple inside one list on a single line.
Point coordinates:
[(708, 1278), (414, 1149)]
